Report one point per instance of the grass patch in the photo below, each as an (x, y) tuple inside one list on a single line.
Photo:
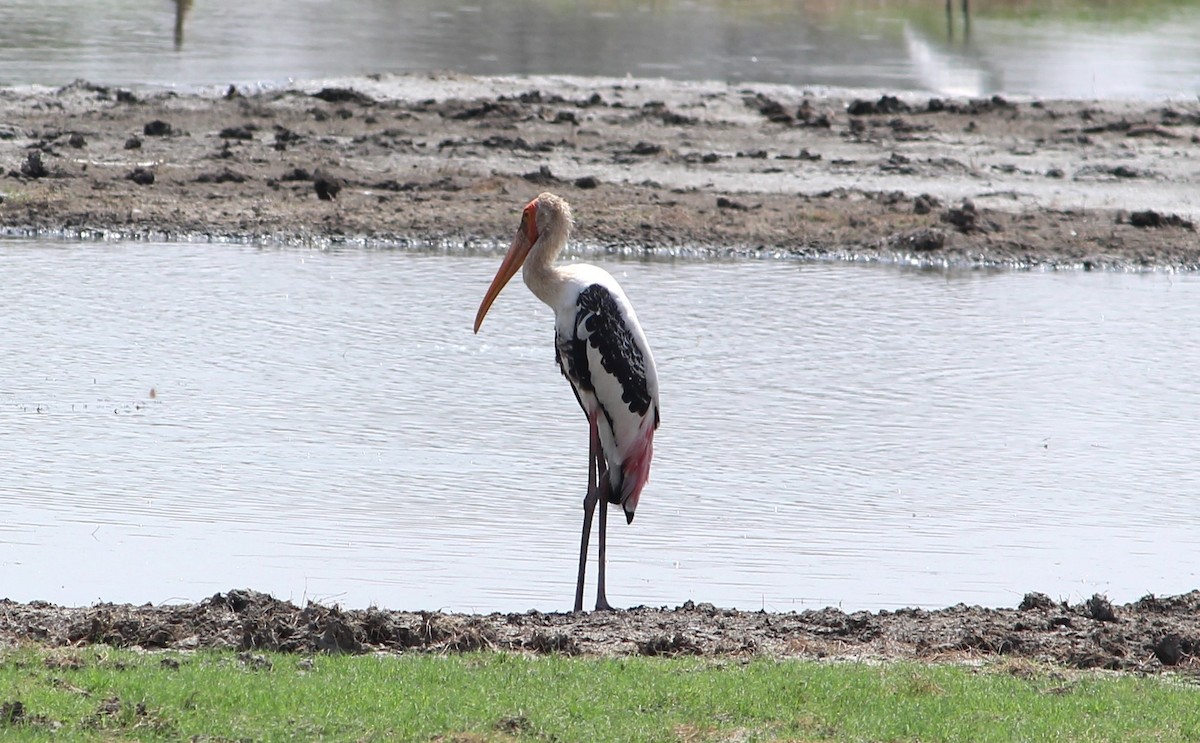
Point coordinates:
[(104, 694)]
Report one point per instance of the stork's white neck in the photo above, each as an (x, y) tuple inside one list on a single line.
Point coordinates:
[(540, 274)]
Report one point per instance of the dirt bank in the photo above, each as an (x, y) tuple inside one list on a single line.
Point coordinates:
[(647, 164), (1149, 635)]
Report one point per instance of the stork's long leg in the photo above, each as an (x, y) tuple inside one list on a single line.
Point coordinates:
[(601, 600), (603, 486), (589, 507)]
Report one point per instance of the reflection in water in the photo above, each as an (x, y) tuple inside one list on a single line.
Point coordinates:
[(321, 427), (181, 9), (955, 67), (950, 69), (966, 20)]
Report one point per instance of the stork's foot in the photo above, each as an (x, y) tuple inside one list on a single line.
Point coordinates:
[(603, 605)]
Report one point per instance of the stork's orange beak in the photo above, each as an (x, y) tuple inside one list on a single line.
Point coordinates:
[(526, 236)]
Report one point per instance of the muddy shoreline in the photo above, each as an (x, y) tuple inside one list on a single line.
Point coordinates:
[(1151, 635), (705, 168)]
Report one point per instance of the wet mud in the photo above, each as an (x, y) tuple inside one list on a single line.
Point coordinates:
[(708, 168), (1151, 635)]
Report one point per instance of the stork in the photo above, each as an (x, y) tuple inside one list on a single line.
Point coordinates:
[(603, 353)]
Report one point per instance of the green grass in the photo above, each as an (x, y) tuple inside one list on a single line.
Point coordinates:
[(104, 694)]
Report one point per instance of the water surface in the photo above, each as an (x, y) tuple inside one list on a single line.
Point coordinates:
[(1143, 49), (323, 424)]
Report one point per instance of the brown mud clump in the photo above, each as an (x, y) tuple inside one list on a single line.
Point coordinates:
[(1149, 635), (650, 164)]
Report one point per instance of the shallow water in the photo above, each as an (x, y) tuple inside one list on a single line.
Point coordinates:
[(323, 424), (1073, 49)]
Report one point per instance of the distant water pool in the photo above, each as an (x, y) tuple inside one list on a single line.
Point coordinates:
[(1066, 49)]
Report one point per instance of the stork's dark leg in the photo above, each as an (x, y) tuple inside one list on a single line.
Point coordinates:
[(589, 507), (602, 489), (601, 600)]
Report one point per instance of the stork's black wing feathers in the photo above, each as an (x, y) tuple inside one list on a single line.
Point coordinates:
[(571, 355), (600, 324)]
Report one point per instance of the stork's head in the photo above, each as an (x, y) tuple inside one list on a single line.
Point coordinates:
[(545, 214)]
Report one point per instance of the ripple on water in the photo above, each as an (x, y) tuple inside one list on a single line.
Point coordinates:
[(325, 424)]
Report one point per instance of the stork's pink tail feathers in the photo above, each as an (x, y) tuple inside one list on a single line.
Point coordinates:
[(636, 471)]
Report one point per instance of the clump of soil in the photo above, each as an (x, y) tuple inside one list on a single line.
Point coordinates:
[(1149, 635)]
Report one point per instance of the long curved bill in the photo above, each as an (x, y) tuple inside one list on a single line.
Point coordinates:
[(508, 267)]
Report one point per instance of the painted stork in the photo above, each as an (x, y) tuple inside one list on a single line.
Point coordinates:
[(603, 353)]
